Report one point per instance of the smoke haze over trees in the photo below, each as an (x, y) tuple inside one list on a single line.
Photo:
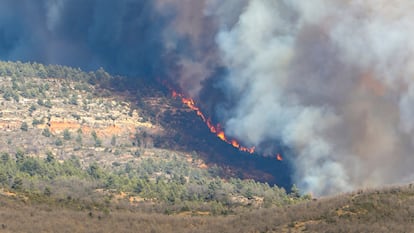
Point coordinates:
[(330, 80)]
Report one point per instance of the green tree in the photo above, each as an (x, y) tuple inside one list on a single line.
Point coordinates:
[(46, 132), (98, 141), (37, 122), (249, 193), (32, 167), (73, 100), (5, 157), (8, 94), (15, 86), (49, 157), (58, 142), (32, 109), (47, 103), (17, 183), (24, 126), (140, 186), (20, 155), (3, 178), (94, 135), (66, 134), (79, 139), (294, 192), (95, 171), (113, 140), (16, 97), (47, 192), (183, 180)]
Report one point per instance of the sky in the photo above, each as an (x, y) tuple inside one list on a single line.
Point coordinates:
[(332, 80)]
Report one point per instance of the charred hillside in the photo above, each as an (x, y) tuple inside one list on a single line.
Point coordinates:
[(188, 132), (180, 128)]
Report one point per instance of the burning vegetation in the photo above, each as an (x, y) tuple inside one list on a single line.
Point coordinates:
[(216, 129)]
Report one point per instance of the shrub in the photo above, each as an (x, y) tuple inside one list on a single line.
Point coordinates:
[(58, 142), (46, 132), (66, 134), (24, 126)]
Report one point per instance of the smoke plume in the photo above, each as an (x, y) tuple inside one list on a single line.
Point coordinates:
[(331, 80)]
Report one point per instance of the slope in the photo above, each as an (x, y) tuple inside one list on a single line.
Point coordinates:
[(70, 135), (385, 210)]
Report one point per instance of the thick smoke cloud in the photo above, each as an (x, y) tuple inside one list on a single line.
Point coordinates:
[(123, 36), (331, 80)]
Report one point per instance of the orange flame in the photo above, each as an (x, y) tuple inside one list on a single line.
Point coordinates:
[(235, 143), (279, 157), (222, 136), (216, 129)]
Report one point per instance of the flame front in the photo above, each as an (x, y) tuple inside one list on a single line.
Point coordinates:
[(279, 157), (216, 129)]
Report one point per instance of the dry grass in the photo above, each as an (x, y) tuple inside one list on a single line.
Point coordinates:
[(388, 210), (16, 216)]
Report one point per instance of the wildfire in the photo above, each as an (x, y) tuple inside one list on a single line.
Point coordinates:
[(216, 129), (279, 157)]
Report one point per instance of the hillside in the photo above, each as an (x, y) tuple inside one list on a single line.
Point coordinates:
[(386, 210), (70, 135), (65, 118)]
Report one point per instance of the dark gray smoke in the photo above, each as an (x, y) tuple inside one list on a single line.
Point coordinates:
[(331, 80), (123, 36)]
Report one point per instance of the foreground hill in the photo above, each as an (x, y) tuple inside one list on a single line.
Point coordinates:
[(386, 210)]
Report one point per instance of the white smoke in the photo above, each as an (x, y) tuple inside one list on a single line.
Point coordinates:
[(53, 12), (333, 80)]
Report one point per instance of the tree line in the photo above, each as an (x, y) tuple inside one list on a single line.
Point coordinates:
[(171, 183)]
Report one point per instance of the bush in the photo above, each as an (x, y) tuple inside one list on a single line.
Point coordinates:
[(37, 122), (24, 126), (5, 157), (49, 157), (66, 134), (47, 104), (46, 132), (17, 183), (58, 142), (113, 140), (32, 109)]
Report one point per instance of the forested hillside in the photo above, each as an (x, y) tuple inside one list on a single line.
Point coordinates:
[(67, 136)]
